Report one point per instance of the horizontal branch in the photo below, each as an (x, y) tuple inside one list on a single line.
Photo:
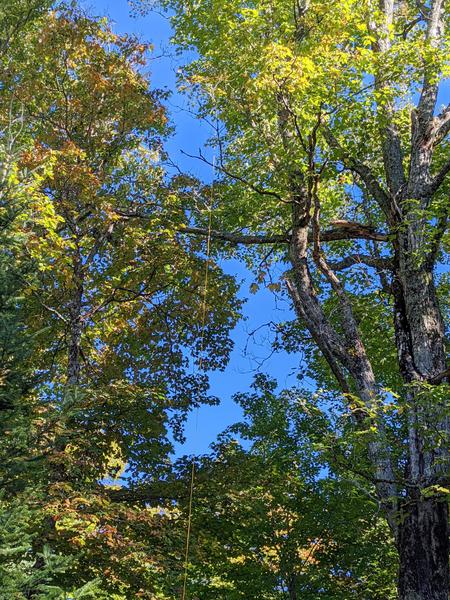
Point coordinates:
[(351, 230), (356, 259), (237, 238), (342, 230)]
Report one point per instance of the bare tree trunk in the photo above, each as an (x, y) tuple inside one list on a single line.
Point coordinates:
[(346, 356), (423, 316)]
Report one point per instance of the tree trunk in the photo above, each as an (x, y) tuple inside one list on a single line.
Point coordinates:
[(423, 546), (423, 316), (421, 529), (292, 587), (75, 327), (73, 353)]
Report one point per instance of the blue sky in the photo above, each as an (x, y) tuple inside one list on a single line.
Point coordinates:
[(191, 134)]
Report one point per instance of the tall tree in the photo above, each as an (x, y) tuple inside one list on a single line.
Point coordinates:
[(335, 152), (117, 289), (113, 303), (24, 418)]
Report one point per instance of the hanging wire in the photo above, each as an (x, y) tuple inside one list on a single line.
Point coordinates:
[(188, 533), (200, 366)]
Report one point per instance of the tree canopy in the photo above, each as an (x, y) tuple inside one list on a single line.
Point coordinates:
[(330, 128)]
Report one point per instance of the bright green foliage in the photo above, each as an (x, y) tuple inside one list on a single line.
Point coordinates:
[(274, 74), (277, 76), (320, 130), (23, 466), (274, 521), (105, 225)]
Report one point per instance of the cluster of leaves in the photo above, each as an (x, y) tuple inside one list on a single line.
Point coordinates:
[(101, 304), (25, 565), (276, 76), (96, 280), (273, 520)]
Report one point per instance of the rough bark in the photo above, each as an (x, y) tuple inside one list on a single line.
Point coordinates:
[(422, 309), (341, 230), (344, 356), (423, 531), (423, 549), (421, 526)]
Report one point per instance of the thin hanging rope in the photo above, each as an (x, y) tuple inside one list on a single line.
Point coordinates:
[(188, 533), (200, 366)]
